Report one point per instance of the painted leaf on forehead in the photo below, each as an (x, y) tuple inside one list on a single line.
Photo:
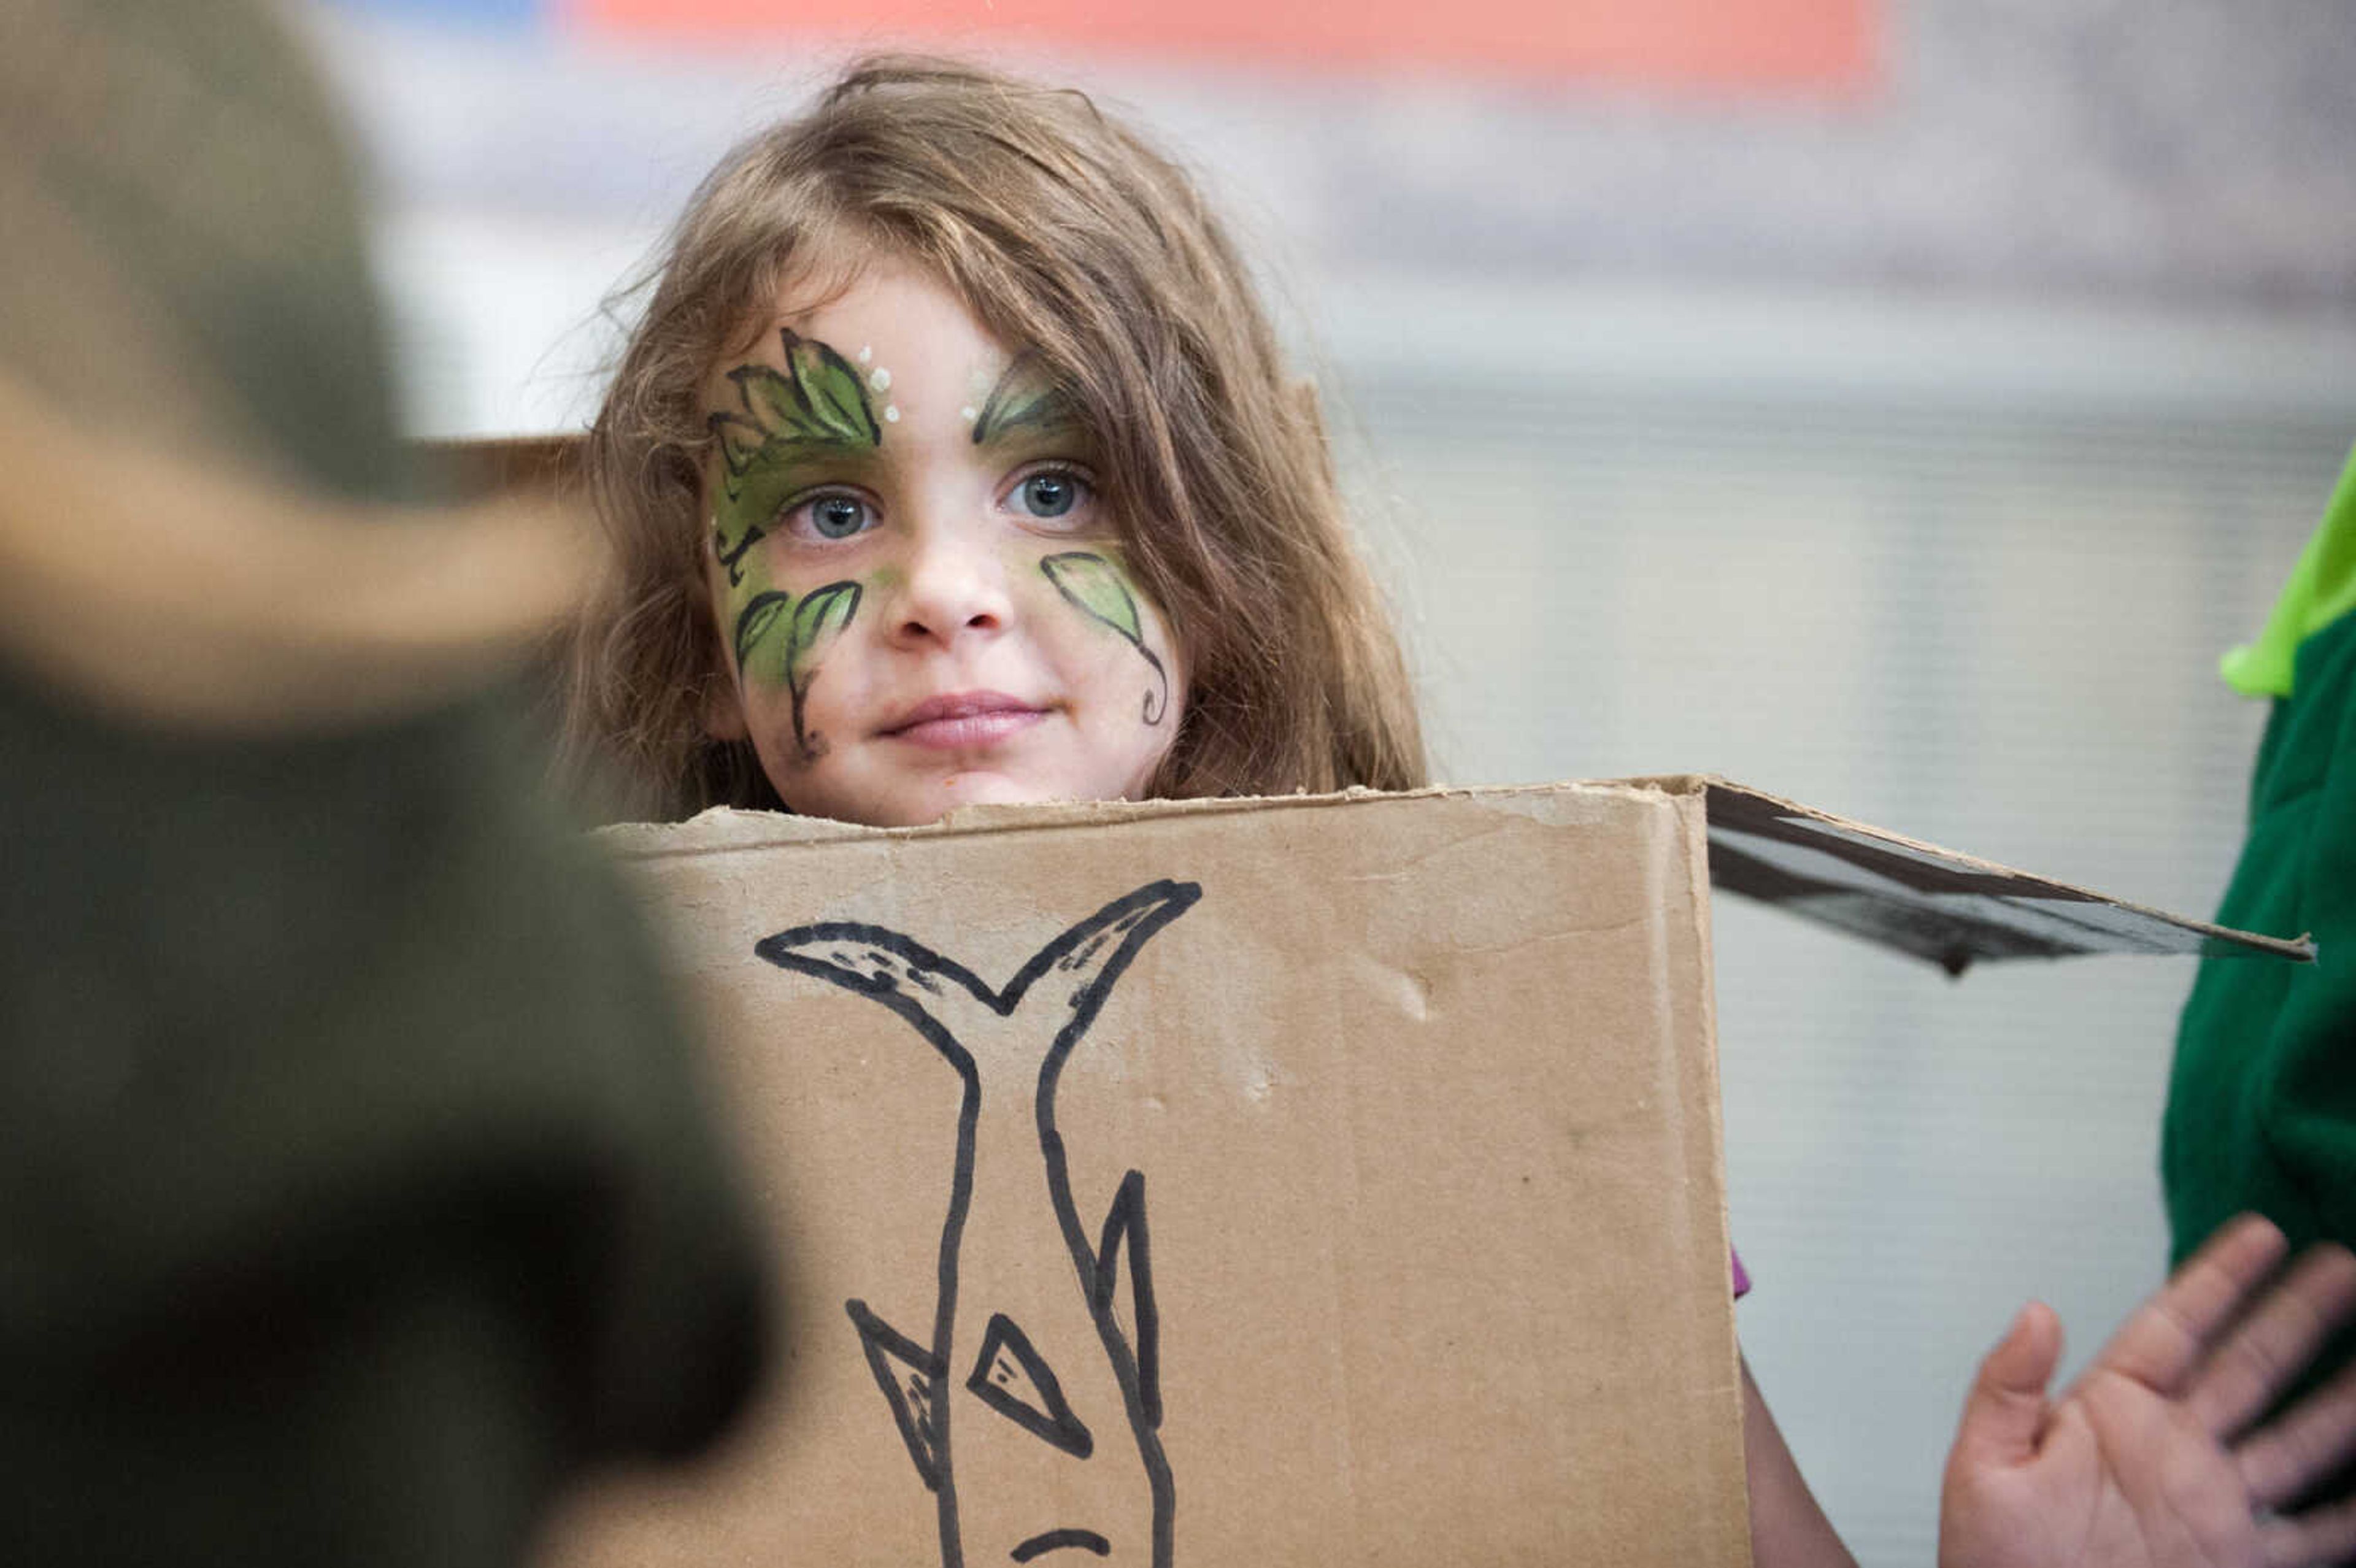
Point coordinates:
[(818, 400), (1096, 586), (1024, 395), (775, 404), (835, 395), (755, 621), (740, 442)]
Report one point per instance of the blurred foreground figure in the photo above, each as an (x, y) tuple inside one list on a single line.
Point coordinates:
[(353, 1189), (2262, 1106)]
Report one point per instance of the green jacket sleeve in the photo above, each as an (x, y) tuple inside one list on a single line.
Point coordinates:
[(2262, 1102)]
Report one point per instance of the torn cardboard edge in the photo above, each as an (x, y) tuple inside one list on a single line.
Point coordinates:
[(1951, 909)]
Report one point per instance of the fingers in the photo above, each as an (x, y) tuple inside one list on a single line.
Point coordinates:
[(2168, 1337), (2319, 1536), (2005, 1411), (2274, 1343), (2281, 1459)]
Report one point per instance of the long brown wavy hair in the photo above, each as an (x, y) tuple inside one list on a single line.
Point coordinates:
[(1066, 234)]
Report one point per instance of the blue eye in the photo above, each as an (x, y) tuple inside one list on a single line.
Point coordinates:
[(1049, 494), (838, 517)]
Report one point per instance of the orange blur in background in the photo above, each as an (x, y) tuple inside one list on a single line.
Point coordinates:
[(1817, 48)]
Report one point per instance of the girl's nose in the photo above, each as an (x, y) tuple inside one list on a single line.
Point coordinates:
[(955, 589)]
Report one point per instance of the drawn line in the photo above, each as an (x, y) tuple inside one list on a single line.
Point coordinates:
[(1055, 1539)]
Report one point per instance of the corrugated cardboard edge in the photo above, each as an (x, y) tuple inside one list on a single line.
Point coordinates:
[(724, 831), (1927, 924), (1690, 803)]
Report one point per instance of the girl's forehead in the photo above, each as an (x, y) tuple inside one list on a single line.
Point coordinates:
[(884, 357), (923, 363), (891, 313)]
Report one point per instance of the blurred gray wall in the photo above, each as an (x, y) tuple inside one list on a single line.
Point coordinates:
[(1914, 456)]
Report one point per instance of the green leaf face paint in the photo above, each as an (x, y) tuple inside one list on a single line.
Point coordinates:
[(820, 400), (1097, 587), (777, 639), (753, 623), (817, 403), (818, 620), (1100, 590), (1024, 396)]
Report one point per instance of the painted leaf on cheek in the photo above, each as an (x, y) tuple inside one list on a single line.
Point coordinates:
[(817, 621), (755, 621), (1097, 587), (1098, 590)]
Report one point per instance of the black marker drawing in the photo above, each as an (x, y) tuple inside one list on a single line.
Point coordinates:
[(1097, 588), (1067, 1390)]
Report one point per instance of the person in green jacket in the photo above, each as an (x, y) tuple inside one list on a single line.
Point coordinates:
[(2262, 1103)]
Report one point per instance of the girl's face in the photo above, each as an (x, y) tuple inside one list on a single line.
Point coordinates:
[(922, 599)]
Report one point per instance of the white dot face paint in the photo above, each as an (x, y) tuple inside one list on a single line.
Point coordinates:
[(880, 380), (891, 413), (866, 353), (967, 415)]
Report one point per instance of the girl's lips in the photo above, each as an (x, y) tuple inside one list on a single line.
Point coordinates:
[(963, 719)]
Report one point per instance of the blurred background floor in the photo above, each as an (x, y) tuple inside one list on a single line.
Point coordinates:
[(1899, 410)]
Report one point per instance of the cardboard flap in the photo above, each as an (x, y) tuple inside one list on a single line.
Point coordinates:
[(1952, 908)]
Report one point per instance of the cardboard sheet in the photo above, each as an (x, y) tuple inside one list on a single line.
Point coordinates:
[(1302, 1182), (1289, 1182)]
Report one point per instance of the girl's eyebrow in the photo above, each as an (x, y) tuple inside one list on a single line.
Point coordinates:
[(1025, 398)]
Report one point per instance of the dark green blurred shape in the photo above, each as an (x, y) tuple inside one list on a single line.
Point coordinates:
[(2262, 1102), (355, 1188)]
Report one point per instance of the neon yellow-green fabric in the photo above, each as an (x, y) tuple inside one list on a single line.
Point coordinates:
[(2262, 1101), (2322, 587)]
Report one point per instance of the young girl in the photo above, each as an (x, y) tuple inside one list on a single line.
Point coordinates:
[(953, 460)]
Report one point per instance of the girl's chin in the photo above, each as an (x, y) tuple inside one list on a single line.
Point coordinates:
[(922, 803), (982, 786), (910, 798)]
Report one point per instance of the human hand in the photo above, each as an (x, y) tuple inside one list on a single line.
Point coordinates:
[(2148, 1457)]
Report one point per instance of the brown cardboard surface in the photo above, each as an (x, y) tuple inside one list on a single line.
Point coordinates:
[(1346, 1170), (1340, 1175)]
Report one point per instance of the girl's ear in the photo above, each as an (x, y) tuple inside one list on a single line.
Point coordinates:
[(723, 709)]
